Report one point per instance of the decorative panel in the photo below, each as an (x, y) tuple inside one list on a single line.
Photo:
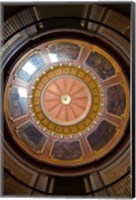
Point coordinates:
[(31, 136), (30, 67), (17, 102), (64, 51), (116, 100), (63, 150), (100, 65), (102, 135)]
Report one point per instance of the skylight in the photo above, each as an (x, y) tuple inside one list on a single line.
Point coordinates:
[(22, 92), (53, 57), (29, 68)]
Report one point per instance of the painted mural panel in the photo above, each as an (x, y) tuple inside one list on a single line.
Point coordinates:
[(31, 136), (116, 100), (66, 150), (102, 135), (100, 65), (64, 51)]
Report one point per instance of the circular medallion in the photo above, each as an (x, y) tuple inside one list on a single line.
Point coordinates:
[(70, 100), (66, 100)]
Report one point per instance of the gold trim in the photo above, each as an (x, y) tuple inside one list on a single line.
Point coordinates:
[(95, 92)]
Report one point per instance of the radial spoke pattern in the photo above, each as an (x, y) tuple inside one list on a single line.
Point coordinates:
[(66, 100), (70, 100)]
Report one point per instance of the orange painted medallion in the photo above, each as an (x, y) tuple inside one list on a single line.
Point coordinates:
[(66, 100)]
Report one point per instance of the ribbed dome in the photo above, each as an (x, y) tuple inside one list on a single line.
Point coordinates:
[(75, 95)]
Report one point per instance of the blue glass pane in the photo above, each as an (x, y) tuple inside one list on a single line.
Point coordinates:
[(30, 67), (17, 102)]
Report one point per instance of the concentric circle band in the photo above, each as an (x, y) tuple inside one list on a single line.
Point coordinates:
[(66, 99), (69, 112)]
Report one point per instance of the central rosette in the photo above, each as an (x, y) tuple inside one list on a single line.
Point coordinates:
[(66, 100)]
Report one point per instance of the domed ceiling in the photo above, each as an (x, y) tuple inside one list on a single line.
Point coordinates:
[(67, 102)]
